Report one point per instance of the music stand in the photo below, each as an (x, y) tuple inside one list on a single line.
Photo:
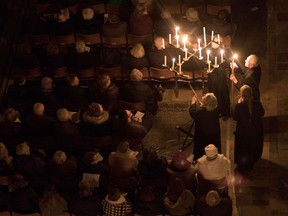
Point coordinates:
[(188, 133)]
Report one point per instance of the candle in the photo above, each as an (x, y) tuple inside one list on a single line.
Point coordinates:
[(186, 54), (219, 38), (173, 63), (204, 35), (200, 53), (179, 59), (163, 43), (185, 38), (208, 53), (216, 60), (199, 46), (177, 41), (209, 67), (170, 39), (222, 54), (177, 29), (212, 36), (165, 60), (180, 69)]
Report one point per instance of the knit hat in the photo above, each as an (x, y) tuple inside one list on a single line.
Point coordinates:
[(180, 162), (212, 198), (192, 15), (47, 84), (211, 152)]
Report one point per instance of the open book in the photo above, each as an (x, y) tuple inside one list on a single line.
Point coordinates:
[(139, 115), (74, 116)]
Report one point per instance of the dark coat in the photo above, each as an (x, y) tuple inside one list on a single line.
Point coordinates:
[(85, 206), (207, 130), (88, 26), (249, 133), (114, 30), (221, 27), (39, 126), (61, 28), (130, 62), (142, 25)]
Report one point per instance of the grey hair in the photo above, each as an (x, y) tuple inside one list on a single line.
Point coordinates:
[(210, 102)]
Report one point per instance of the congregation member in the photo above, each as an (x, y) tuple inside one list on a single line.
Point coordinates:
[(252, 75), (6, 162), (53, 58), (249, 133), (114, 27), (207, 125), (61, 24), (192, 25), (163, 26)]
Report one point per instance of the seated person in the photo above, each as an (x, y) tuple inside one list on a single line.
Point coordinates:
[(114, 27), (123, 168), (192, 25), (164, 25), (53, 58), (136, 58), (136, 90), (214, 167), (61, 24)]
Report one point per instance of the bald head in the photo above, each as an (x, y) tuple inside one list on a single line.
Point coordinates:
[(38, 109), (251, 61)]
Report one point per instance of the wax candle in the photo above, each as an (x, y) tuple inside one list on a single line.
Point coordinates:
[(200, 53), (216, 60), (173, 63), (209, 67), (163, 43), (208, 54), (180, 69), (177, 41), (212, 35), (222, 54), (219, 38), (177, 29), (185, 38), (170, 38), (186, 54), (204, 35), (179, 59), (199, 46), (165, 60)]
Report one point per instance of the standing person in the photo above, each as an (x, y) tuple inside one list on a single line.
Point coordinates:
[(252, 76), (249, 129), (207, 126)]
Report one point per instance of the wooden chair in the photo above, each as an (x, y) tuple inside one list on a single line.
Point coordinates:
[(60, 72), (5, 181), (91, 39), (37, 40), (111, 42), (161, 74), (97, 8), (86, 74), (144, 39), (64, 40), (135, 106), (114, 72)]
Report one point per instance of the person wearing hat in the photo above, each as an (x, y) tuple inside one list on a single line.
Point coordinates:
[(181, 167), (214, 167), (178, 200), (207, 125), (212, 204), (192, 25), (164, 25)]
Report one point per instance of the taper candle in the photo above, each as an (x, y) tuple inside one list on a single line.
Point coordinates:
[(222, 54), (163, 43), (204, 35), (208, 54), (218, 38), (212, 36), (173, 63), (170, 38), (199, 45), (165, 60)]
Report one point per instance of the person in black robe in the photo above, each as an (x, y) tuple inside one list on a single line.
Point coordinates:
[(207, 126), (249, 130)]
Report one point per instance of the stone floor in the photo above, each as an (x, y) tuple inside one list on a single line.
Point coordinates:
[(263, 30)]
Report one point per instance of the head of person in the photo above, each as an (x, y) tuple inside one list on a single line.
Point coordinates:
[(158, 43), (85, 189), (125, 116), (211, 152), (52, 49), (123, 146), (114, 194), (138, 51), (59, 157), (80, 46), (209, 101), (104, 81), (87, 13), (165, 14), (38, 109), (140, 10), (175, 189), (3, 152), (72, 80), (60, 17), (192, 15), (11, 115), (95, 109), (49, 195), (46, 84), (246, 92), (179, 161), (136, 75), (113, 18), (251, 61), (23, 149), (212, 198), (223, 15), (62, 115)]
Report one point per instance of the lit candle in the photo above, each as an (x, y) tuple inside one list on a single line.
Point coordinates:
[(186, 54), (185, 38), (165, 60), (199, 46), (179, 59), (163, 43), (204, 35), (216, 60), (212, 35), (177, 41), (200, 53), (180, 69), (222, 54), (177, 29), (219, 38), (173, 63), (208, 54), (170, 39), (209, 67)]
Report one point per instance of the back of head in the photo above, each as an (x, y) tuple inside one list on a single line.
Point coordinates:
[(95, 109), (212, 198), (87, 13), (165, 14), (114, 194), (136, 75), (62, 114), (70, 79), (52, 49), (150, 154), (59, 157), (104, 81), (246, 92), (38, 109), (10, 115), (137, 51), (192, 15), (140, 9), (46, 84), (80, 46), (211, 152), (23, 149), (113, 18), (123, 147), (210, 102)]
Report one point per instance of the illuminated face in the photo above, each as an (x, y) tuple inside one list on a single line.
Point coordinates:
[(248, 62)]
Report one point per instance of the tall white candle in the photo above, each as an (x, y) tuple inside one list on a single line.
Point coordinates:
[(179, 59), (209, 67), (173, 63), (165, 60), (208, 54), (199, 46), (212, 36), (163, 43), (180, 69), (185, 38), (176, 29), (222, 54), (200, 53), (219, 38), (170, 38), (204, 35), (216, 60), (186, 54), (177, 41)]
